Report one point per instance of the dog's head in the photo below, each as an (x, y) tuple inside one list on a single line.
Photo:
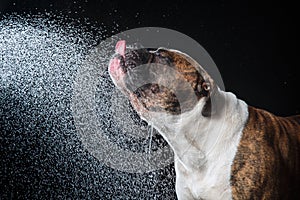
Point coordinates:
[(161, 80)]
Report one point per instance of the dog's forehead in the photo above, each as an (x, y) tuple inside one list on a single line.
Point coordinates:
[(180, 56)]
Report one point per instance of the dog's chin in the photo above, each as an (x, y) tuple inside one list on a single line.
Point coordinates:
[(166, 123)]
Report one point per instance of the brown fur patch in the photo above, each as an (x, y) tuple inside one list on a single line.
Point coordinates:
[(267, 164), (187, 70)]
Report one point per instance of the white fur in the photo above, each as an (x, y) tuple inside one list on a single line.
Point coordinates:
[(204, 147)]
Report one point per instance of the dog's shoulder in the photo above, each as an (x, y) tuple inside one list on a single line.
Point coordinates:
[(268, 157), (274, 130)]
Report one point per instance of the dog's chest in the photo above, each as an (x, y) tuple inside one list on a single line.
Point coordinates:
[(211, 181)]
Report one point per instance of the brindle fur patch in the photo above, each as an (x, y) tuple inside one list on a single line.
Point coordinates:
[(267, 164)]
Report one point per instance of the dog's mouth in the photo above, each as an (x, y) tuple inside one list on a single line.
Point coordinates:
[(127, 59)]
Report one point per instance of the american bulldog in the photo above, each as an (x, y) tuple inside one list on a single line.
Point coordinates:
[(224, 149)]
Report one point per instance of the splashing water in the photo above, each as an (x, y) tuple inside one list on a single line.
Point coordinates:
[(42, 153)]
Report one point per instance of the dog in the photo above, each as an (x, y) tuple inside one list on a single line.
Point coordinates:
[(224, 149)]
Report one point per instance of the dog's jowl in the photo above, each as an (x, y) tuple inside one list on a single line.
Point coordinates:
[(224, 149)]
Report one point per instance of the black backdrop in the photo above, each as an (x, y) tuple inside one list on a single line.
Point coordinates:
[(254, 46)]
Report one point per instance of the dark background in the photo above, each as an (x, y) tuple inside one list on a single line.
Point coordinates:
[(254, 46)]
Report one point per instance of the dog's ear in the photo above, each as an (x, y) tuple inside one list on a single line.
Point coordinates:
[(207, 110), (214, 101), (208, 90), (205, 91)]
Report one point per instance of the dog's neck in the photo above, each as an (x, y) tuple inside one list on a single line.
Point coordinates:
[(194, 137)]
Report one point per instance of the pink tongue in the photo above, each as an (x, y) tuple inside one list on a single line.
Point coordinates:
[(114, 64), (121, 47)]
